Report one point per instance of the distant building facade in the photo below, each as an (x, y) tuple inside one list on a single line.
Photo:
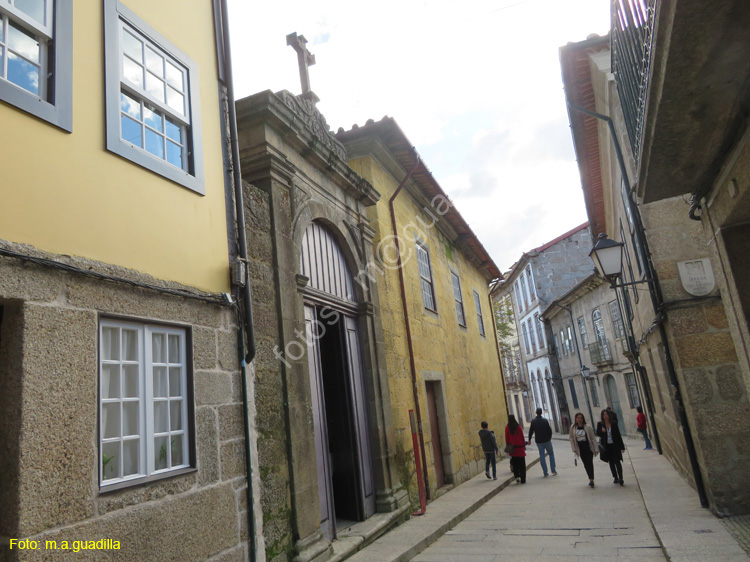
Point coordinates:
[(590, 332), (534, 282)]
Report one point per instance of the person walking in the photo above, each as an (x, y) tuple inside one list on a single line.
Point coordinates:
[(583, 443), (540, 426), (640, 421), (514, 436), (489, 446), (609, 435)]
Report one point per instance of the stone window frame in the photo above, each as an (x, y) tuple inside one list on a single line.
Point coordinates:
[(427, 283), (480, 318), (573, 394), (116, 15), (147, 471), (583, 332), (55, 105), (532, 336), (594, 392), (632, 383), (458, 299)]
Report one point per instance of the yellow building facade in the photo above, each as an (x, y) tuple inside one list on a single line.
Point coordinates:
[(121, 386), (446, 275)]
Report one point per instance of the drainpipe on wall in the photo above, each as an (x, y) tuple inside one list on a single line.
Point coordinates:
[(247, 333), (497, 347), (412, 365), (657, 302)]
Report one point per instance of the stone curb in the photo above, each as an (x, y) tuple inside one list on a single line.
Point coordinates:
[(438, 532)]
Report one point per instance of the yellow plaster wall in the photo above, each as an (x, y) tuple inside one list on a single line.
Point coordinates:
[(64, 193), (468, 362)]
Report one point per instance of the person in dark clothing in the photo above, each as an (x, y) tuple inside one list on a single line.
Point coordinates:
[(609, 436), (543, 431), (514, 436), (489, 446)]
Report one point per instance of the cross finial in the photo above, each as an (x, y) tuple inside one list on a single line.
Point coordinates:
[(305, 59)]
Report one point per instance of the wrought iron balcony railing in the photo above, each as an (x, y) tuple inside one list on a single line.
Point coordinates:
[(599, 352), (632, 34)]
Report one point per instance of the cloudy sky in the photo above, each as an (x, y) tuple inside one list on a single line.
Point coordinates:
[(475, 85)]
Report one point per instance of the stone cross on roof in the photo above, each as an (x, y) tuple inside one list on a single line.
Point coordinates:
[(305, 59)]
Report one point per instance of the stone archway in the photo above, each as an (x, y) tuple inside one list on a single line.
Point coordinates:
[(339, 399)]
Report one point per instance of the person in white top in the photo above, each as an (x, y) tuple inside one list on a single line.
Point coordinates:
[(583, 443)]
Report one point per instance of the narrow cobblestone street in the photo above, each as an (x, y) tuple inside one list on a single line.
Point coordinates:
[(555, 517)]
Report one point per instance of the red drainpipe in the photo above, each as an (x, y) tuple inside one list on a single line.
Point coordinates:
[(415, 387)]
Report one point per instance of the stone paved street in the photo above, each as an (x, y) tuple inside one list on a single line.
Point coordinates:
[(655, 516), (554, 518)]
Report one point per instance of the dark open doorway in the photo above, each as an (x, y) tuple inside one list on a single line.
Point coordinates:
[(340, 420)]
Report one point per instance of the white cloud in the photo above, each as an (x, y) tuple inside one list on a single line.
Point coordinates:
[(475, 86)]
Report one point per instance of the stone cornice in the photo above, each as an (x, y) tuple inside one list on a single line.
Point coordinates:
[(304, 128)]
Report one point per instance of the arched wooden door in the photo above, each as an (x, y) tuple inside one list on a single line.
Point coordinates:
[(343, 451)]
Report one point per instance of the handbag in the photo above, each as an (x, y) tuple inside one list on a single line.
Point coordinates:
[(603, 453), (509, 448)]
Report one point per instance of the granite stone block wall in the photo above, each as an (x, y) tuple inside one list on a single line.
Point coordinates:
[(49, 483)]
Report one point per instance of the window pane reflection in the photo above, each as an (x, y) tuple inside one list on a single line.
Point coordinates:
[(33, 8), (23, 74)]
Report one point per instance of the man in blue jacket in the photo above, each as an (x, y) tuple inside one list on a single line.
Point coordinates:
[(543, 431)]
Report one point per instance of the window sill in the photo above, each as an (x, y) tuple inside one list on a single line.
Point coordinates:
[(103, 490)]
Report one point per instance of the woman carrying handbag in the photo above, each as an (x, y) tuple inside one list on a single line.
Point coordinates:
[(515, 437), (609, 435), (583, 443)]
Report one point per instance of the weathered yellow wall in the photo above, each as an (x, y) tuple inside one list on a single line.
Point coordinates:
[(468, 362), (64, 193)]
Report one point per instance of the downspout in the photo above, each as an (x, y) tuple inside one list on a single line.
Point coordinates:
[(247, 333), (497, 347), (412, 365), (657, 302)]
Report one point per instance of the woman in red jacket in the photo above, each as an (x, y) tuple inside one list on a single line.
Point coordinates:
[(514, 436)]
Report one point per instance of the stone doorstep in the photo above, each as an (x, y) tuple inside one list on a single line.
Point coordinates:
[(361, 534), (406, 550)]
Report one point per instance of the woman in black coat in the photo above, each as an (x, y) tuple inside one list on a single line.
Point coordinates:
[(609, 436)]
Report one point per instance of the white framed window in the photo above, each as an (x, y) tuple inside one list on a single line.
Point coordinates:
[(144, 403), (583, 333), (480, 319), (36, 63), (569, 339), (456, 282), (530, 283), (539, 330), (519, 296), (152, 105), (531, 335), (525, 337), (617, 324), (564, 344), (425, 275)]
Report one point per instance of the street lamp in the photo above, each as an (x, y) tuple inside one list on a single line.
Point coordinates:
[(586, 372), (607, 256)]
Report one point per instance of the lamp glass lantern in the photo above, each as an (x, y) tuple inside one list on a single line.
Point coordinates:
[(607, 257), (585, 372)]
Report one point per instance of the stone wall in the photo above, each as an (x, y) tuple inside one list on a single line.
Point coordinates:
[(49, 486), (562, 266), (269, 383)]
